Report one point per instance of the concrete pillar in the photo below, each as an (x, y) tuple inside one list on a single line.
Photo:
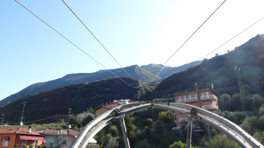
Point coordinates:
[(189, 133), (124, 130)]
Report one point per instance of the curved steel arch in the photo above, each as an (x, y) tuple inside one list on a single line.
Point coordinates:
[(227, 127)]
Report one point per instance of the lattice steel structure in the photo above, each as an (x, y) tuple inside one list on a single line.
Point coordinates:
[(194, 113)]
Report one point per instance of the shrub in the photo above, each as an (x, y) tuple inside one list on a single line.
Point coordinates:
[(178, 144), (25, 146), (31, 146), (16, 145), (143, 144), (149, 122)]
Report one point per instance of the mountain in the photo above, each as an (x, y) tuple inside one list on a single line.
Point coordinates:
[(166, 70), (219, 71), (143, 73), (78, 97)]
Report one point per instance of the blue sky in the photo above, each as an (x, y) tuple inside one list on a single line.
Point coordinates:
[(135, 32)]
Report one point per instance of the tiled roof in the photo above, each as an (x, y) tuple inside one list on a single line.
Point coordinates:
[(56, 132), (17, 131), (196, 91)]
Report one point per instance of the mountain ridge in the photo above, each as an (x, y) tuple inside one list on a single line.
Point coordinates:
[(137, 72)]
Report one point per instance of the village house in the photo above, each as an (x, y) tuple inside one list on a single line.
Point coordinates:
[(101, 110), (11, 137), (205, 98), (85, 114), (60, 138), (107, 107), (123, 101)]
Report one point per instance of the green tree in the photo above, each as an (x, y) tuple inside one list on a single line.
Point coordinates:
[(219, 141), (113, 130), (259, 136), (225, 100), (261, 110), (240, 118), (257, 101), (250, 124), (261, 123), (109, 142), (143, 144), (236, 102), (159, 128), (178, 144), (149, 122), (86, 120), (130, 129), (167, 117), (61, 121), (101, 135), (233, 118)]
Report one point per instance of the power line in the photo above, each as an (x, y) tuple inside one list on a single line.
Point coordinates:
[(226, 42), (189, 37), (74, 44), (40, 119), (95, 37)]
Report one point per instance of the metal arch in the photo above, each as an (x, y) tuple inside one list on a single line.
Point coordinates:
[(253, 142), (91, 124), (97, 124)]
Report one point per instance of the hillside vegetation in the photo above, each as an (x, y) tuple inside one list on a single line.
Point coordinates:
[(78, 97), (219, 71), (144, 73)]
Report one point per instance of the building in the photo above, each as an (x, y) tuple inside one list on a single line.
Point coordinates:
[(85, 114), (205, 98), (107, 107), (60, 138), (112, 105), (101, 110), (20, 136), (123, 101)]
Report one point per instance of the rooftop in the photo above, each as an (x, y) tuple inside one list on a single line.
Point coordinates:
[(59, 132), (197, 91), (17, 130)]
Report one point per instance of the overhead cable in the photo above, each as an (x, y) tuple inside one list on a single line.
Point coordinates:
[(95, 37), (75, 45), (226, 42), (189, 38)]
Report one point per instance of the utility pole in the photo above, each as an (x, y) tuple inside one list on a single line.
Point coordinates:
[(57, 121), (21, 123), (241, 87), (2, 119), (69, 111)]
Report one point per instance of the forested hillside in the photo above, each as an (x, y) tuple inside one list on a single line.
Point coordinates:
[(144, 73), (78, 97), (219, 71)]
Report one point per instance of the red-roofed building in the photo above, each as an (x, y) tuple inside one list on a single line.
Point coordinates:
[(12, 136)]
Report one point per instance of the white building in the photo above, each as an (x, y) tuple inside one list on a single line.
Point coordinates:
[(85, 114), (123, 101), (61, 138)]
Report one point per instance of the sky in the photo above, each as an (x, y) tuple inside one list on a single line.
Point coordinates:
[(137, 32)]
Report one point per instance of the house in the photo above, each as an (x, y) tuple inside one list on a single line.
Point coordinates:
[(101, 110), (112, 105), (85, 114), (205, 98), (20, 136), (61, 138), (107, 107), (123, 101)]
